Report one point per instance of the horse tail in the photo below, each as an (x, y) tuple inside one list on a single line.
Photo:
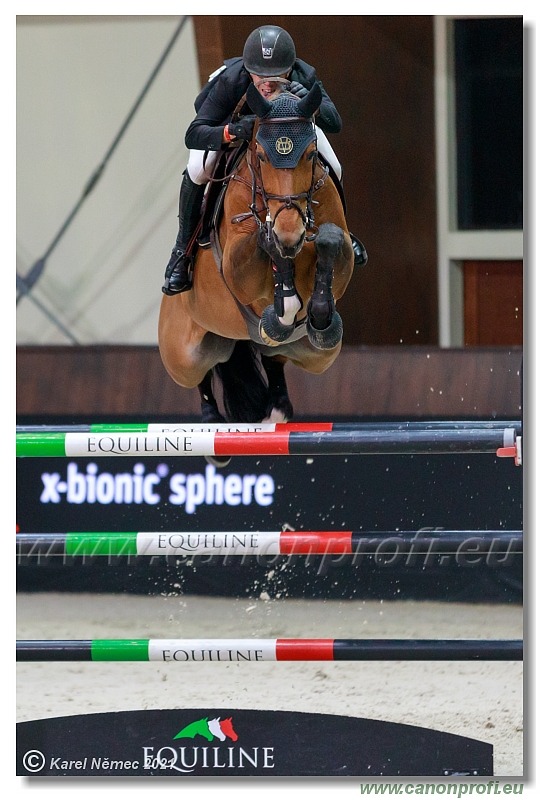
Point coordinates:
[(245, 392)]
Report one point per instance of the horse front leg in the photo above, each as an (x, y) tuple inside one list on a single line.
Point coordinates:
[(277, 320), (324, 324)]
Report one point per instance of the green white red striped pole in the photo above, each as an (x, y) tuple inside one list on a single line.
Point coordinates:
[(274, 443), (259, 427), (181, 427), (268, 543), (256, 650)]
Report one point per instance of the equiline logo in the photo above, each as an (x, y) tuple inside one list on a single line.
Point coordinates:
[(209, 729), (200, 756)]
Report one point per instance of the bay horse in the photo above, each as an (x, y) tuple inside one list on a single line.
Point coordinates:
[(265, 294)]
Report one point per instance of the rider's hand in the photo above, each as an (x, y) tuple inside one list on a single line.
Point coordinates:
[(243, 129), (298, 89)]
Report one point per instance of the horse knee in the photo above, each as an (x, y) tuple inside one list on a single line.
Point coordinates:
[(311, 359), (182, 375), (329, 241), (183, 369)]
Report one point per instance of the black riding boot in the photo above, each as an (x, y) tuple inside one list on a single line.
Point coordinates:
[(360, 252), (178, 273)]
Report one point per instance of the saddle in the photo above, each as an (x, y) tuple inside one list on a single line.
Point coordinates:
[(212, 207), (213, 200)]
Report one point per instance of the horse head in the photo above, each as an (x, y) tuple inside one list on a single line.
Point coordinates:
[(283, 159), (227, 728)]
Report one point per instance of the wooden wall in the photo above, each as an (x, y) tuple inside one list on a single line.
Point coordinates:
[(493, 302), (405, 382), (379, 72)]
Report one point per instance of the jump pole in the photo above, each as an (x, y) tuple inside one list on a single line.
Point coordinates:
[(380, 441), (269, 543), (231, 427), (240, 650)]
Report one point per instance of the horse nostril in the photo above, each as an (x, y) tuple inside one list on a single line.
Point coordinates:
[(288, 249)]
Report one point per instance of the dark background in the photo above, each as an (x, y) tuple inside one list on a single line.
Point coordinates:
[(366, 493)]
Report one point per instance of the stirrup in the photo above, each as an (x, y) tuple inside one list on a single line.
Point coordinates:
[(204, 240), (360, 252), (179, 274)]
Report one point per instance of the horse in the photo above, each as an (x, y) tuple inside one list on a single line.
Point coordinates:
[(265, 293), (227, 728), (222, 728), (198, 728), (215, 729)]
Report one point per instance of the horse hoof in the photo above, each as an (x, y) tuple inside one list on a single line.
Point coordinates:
[(328, 338), (271, 330), (210, 414), (218, 461), (279, 411)]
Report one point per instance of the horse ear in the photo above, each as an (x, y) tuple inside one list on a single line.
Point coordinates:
[(309, 104), (258, 104)]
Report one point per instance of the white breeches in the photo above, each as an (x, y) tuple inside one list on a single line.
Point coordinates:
[(201, 174), (325, 149), (198, 172)]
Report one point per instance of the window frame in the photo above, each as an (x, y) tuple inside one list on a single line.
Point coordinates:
[(455, 246)]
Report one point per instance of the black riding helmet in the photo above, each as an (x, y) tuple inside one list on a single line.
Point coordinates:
[(269, 51)]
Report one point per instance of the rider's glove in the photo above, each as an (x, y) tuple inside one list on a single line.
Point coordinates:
[(243, 129), (298, 89)]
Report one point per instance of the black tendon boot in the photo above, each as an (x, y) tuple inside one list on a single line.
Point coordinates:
[(360, 252), (178, 273)]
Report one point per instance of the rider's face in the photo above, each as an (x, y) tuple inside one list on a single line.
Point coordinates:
[(268, 87)]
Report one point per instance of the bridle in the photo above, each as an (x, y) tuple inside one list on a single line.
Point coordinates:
[(288, 202)]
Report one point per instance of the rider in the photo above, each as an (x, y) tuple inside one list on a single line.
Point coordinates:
[(269, 52)]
